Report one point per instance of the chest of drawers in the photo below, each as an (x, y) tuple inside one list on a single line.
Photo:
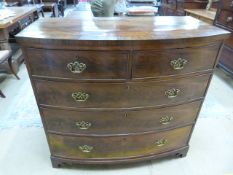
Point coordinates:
[(112, 91)]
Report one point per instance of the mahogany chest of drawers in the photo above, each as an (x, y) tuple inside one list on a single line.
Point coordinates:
[(224, 19), (111, 90)]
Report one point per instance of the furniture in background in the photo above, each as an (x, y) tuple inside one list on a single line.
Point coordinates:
[(108, 96), (48, 3), (202, 14), (177, 7), (18, 2), (224, 19), (57, 7), (11, 4), (9, 27), (57, 10), (39, 6), (132, 5), (2, 95), (210, 4), (6, 62), (79, 14)]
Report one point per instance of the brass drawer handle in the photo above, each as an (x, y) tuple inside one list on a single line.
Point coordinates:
[(161, 142), (76, 67), (80, 96), (83, 125), (172, 93), (86, 148), (165, 120), (229, 19), (178, 64)]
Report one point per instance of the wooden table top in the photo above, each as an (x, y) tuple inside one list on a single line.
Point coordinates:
[(119, 28), (21, 12), (209, 14)]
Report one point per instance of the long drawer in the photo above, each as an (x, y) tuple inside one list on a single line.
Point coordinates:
[(174, 61), (121, 95), (119, 122), (78, 64), (119, 146)]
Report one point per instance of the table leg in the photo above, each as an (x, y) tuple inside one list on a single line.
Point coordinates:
[(4, 36), (42, 12)]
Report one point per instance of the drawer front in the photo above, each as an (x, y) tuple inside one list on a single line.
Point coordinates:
[(174, 61), (119, 122), (225, 18), (119, 146), (121, 95), (78, 64)]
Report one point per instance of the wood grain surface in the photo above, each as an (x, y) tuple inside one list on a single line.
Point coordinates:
[(121, 95), (119, 122), (119, 147), (115, 106)]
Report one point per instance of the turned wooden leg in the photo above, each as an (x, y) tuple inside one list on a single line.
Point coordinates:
[(11, 67), (2, 95)]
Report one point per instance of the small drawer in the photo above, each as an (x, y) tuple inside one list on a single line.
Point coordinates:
[(121, 95), (225, 18), (119, 122), (174, 62), (118, 147), (78, 64)]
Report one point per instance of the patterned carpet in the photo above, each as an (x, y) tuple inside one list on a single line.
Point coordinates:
[(24, 111), (19, 108)]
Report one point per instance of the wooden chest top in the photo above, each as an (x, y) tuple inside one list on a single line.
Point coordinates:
[(119, 28)]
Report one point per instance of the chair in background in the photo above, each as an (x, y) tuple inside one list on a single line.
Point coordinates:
[(2, 95), (40, 6), (6, 62), (61, 7), (55, 11)]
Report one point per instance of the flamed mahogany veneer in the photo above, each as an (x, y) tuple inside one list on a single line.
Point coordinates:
[(119, 90)]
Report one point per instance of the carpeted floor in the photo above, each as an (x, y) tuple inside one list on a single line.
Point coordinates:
[(24, 150)]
